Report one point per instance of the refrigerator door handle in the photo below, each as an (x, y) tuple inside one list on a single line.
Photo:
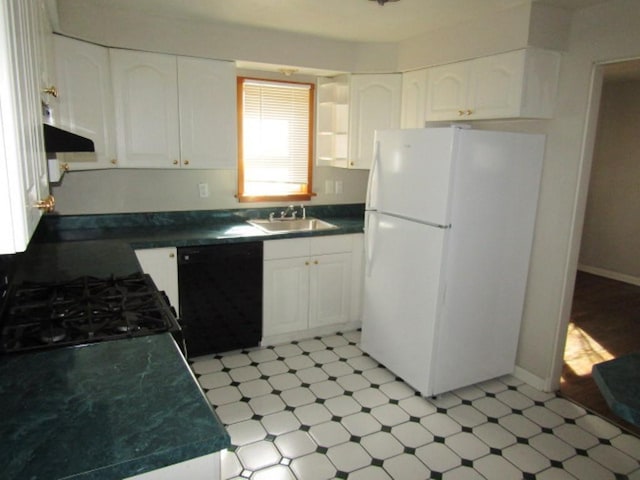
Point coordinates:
[(372, 173), (369, 244)]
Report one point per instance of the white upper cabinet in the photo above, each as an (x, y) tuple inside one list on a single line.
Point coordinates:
[(174, 112), (85, 100), (145, 87), (350, 109), (519, 84), (414, 99), (23, 173), (376, 101), (207, 105)]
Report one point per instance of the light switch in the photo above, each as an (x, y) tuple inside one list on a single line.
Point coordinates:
[(203, 188)]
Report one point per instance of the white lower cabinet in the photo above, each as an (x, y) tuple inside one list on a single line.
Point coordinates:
[(162, 265), (309, 285)]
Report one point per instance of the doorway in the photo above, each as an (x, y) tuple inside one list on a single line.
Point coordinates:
[(605, 316)]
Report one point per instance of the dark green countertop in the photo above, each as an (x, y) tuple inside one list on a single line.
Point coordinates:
[(102, 411), (180, 229)]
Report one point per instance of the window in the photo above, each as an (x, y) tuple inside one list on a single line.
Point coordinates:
[(275, 132)]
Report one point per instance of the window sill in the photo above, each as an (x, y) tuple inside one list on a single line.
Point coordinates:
[(275, 198)]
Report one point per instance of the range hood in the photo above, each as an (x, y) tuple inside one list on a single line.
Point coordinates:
[(57, 140)]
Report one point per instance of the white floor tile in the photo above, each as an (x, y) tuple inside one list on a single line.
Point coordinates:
[(258, 455), (329, 434), (348, 457), (585, 468), (249, 431), (370, 397), (412, 434), (313, 467), (438, 457), (382, 445), (280, 422), (295, 444), (312, 414), (467, 446), (552, 447), (406, 467)]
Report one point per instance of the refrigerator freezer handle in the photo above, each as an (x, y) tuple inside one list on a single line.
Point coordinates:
[(372, 173), (369, 243)]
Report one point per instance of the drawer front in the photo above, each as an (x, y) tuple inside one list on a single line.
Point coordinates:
[(286, 248), (331, 244)]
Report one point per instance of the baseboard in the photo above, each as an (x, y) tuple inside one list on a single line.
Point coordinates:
[(602, 272), (529, 378), (309, 333)]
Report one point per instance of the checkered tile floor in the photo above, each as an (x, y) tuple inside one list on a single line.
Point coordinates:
[(321, 409)]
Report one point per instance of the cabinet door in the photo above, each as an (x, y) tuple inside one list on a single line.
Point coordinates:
[(447, 91), (414, 95), (47, 75), (207, 93), (495, 85), (375, 105), (329, 289), (23, 174), (161, 264), (86, 100), (286, 295), (145, 89)]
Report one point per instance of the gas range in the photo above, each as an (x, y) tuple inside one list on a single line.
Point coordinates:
[(45, 315)]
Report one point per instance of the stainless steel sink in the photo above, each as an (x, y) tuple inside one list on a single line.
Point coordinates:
[(291, 225)]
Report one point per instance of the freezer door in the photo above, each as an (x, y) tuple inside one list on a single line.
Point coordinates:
[(402, 295), (411, 173)]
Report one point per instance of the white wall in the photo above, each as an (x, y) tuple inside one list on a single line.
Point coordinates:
[(611, 234), (602, 33), (137, 190)]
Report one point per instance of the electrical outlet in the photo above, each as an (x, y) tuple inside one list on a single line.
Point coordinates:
[(338, 187), (328, 187), (203, 188)]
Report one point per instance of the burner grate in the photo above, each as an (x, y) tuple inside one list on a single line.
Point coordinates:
[(86, 309)]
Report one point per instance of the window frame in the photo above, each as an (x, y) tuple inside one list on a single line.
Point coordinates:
[(242, 197)]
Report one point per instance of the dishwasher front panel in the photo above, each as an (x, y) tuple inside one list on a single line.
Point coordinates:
[(220, 288)]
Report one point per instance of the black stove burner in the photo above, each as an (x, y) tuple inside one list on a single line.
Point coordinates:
[(86, 309)]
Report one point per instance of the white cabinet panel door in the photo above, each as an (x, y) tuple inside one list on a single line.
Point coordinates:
[(286, 295), (85, 99), (375, 104), (145, 87), (330, 289), (162, 265), (207, 113)]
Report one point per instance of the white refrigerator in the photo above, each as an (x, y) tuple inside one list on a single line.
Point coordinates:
[(449, 223)]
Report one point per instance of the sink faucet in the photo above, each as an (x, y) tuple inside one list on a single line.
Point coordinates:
[(284, 213)]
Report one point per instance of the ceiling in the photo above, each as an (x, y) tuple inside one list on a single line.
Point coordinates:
[(349, 20)]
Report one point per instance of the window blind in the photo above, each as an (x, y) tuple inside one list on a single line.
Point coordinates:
[(275, 126)]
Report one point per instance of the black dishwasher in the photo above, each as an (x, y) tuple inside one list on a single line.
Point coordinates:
[(220, 289)]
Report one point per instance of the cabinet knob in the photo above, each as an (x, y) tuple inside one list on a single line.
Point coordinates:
[(186, 162), (52, 90), (352, 163), (65, 167), (47, 205), (172, 255), (460, 113), (175, 162), (468, 112), (315, 262), (306, 263)]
